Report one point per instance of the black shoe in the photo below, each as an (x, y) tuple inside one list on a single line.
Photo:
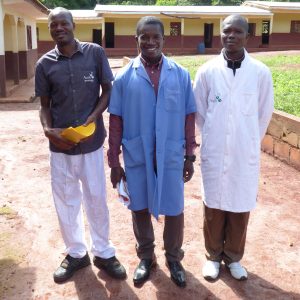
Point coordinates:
[(69, 266), (177, 272), (142, 272), (111, 266)]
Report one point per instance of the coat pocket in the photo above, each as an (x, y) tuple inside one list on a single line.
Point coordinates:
[(249, 103), (172, 100), (133, 152), (174, 155)]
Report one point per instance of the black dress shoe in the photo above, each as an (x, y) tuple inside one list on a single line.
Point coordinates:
[(177, 273), (111, 266), (142, 272), (69, 266)]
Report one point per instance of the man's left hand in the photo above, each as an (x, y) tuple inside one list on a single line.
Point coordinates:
[(91, 118), (188, 170)]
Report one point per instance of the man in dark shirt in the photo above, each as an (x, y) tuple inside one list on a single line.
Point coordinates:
[(68, 80)]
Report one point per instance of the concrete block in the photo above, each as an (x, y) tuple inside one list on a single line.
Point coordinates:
[(267, 144), (275, 128), (295, 157), (292, 138), (282, 150)]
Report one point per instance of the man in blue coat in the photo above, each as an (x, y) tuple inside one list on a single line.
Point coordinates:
[(152, 115)]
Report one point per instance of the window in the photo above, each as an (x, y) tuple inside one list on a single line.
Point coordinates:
[(295, 26), (175, 29), (29, 37), (252, 28)]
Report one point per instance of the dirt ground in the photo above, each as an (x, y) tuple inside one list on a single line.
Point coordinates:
[(31, 246)]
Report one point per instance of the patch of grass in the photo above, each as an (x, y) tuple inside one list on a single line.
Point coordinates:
[(192, 63), (285, 72), (287, 90), (279, 60)]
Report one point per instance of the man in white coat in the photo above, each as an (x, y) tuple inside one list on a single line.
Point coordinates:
[(234, 97)]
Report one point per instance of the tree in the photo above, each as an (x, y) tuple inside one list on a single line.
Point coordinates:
[(70, 4), (182, 2), (166, 2)]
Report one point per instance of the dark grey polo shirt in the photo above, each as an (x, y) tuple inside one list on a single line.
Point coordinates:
[(73, 86)]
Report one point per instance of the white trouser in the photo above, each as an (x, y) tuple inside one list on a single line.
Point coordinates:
[(76, 179)]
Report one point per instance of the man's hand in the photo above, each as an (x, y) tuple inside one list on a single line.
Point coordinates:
[(188, 170), (91, 118), (116, 174), (53, 134)]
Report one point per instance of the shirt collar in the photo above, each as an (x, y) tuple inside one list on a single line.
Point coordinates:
[(78, 49), (230, 61), (152, 66)]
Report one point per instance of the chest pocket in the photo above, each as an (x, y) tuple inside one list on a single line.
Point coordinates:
[(172, 100), (248, 103)]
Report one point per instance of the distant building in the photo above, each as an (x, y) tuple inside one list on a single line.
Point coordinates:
[(18, 41), (87, 29), (273, 26), (283, 30)]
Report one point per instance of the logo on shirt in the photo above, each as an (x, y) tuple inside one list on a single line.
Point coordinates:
[(216, 99), (89, 78)]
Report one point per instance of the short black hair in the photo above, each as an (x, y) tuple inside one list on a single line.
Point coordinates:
[(58, 10), (237, 18), (149, 20)]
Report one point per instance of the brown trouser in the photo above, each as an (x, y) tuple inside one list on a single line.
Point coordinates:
[(224, 234), (144, 234)]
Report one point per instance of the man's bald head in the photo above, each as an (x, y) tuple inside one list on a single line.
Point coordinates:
[(237, 19), (60, 10)]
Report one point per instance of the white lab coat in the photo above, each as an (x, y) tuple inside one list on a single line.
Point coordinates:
[(233, 113)]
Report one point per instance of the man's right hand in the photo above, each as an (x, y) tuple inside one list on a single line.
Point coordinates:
[(54, 136), (116, 174)]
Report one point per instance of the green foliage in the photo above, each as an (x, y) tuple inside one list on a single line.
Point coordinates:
[(90, 4), (191, 63), (227, 2), (182, 2), (128, 2), (285, 72), (286, 79), (74, 4), (166, 2)]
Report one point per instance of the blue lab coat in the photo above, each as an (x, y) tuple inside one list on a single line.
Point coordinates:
[(153, 123)]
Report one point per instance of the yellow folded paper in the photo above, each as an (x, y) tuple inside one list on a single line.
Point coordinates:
[(78, 133)]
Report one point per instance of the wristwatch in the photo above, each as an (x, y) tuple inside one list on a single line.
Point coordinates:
[(191, 158)]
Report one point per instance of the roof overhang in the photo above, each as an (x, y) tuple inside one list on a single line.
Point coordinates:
[(275, 7), (32, 8), (79, 16), (178, 11)]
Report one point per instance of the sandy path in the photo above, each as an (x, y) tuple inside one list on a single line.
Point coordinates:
[(30, 242)]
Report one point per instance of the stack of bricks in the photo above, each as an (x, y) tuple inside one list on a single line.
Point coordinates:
[(283, 138)]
